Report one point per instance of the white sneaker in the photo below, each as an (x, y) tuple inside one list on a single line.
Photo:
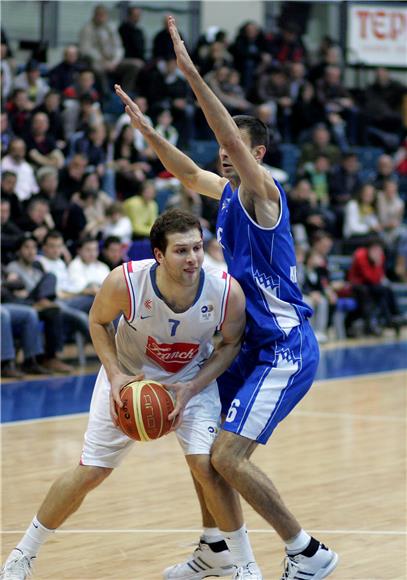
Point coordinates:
[(301, 567), (203, 563), (18, 566), (249, 572)]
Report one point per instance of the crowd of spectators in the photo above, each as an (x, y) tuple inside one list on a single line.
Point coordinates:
[(80, 188)]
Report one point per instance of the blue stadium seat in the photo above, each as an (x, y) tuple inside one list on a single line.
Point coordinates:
[(140, 250), (290, 155), (203, 152), (368, 157)]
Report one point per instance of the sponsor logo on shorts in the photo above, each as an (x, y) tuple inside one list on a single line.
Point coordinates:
[(171, 357)]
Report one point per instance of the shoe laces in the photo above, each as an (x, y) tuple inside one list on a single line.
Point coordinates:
[(290, 568), (18, 566), (248, 571)]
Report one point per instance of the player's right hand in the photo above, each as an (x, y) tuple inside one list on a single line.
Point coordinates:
[(116, 384), (137, 118)]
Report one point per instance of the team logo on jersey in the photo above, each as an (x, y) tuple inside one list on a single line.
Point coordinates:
[(293, 274), (266, 281), (148, 304), (219, 233), (171, 357), (225, 203), (207, 313)]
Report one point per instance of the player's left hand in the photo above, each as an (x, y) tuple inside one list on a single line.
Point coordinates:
[(183, 393), (184, 61)]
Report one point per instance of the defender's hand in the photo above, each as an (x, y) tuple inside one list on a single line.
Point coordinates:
[(184, 61), (137, 118)]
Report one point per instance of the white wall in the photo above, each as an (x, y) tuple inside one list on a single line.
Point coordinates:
[(229, 15)]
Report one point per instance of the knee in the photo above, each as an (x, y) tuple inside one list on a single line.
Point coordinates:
[(91, 476), (201, 468), (225, 463)]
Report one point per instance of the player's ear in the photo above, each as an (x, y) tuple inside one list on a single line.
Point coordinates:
[(158, 255), (259, 152)]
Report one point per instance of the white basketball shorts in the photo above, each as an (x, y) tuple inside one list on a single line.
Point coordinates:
[(105, 445)]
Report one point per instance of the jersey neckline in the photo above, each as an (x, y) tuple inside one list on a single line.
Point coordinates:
[(153, 278)]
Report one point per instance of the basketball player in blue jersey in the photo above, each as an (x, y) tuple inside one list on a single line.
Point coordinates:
[(279, 358)]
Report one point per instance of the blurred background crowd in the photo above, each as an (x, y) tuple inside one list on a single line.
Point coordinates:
[(80, 188)]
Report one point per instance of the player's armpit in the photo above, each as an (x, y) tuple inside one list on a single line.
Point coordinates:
[(111, 300)]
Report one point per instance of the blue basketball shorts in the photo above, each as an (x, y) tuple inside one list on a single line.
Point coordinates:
[(263, 385)]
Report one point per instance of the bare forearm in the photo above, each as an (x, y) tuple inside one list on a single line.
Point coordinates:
[(216, 114), (220, 360), (172, 158), (105, 346)]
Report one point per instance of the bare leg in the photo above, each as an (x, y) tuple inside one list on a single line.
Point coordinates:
[(230, 457), (68, 492), (208, 520), (219, 497)]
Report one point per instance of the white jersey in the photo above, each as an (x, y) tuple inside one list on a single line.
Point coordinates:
[(163, 344)]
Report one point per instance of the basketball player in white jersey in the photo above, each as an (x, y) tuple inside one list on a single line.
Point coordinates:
[(170, 309), (279, 356)]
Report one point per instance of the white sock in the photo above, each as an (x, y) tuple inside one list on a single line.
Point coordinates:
[(35, 535), (239, 545), (210, 535), (298, 543)]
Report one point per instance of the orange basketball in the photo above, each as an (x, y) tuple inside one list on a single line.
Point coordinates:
[(146, 406)]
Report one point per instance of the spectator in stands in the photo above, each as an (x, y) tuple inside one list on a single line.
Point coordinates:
[(39, 289), (344, 180), (132, 36), (165, 128), (71, 176), (47, 178), (15, 162), (76, 96), (306, 217), (382, 105), (117, 224), (6, 74), (42, 149), (188, 200), (30, 80), (216, 56), (385, 170), (52, 108), (130, 168), (330, 55), (317, 174), (320, 145), (320, 296), (287, 46), (140, 143), (400, 159), (361, 219), (19, 109), (142, 210), (36, 219), (376, 301), (112, 252), (400, 267), (74, 306), (86, 272), (8, 187), (63, 74), (306, 112), (93, 146), (230, 93), (249, 50), (95, 209), (213, 257), (297, 79), (162, 43), (10, 232), (101, 44), (6, 132), (18, 320), (390, 209)]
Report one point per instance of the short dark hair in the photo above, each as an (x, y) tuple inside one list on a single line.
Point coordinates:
[(111, 240), (84, 241), (25, 237), (170, 222), (53, 234), (8, 173), (257, 129)]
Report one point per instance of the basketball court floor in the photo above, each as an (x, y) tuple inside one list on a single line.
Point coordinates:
[(339, 461)]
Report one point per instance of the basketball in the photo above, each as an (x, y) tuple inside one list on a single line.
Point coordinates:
[(146, 406)]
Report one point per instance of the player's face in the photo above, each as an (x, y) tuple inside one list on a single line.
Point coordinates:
[(183, 257), (228, 170)]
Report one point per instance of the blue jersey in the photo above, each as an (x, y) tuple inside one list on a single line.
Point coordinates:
[(263, 261)]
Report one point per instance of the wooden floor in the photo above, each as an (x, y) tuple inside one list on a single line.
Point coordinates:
[(339, 462)]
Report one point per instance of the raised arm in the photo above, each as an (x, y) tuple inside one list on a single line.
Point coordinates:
[(111, 301), (174, 160), (254, 178)]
